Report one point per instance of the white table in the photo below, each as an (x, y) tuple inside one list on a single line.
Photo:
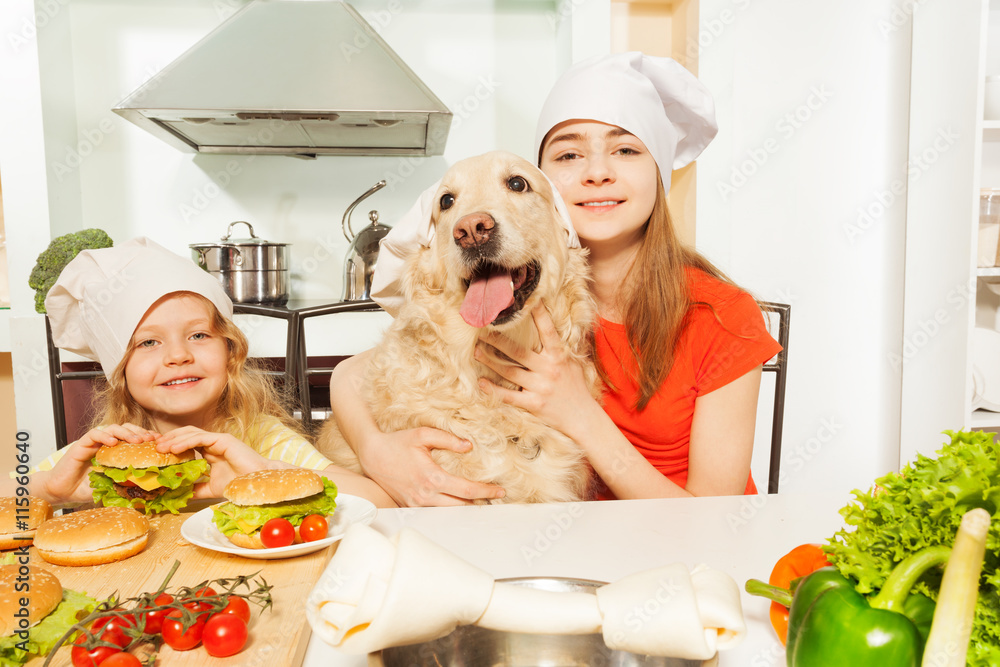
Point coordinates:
[(742, 536)]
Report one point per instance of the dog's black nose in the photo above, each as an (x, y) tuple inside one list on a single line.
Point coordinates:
[(474, 230)]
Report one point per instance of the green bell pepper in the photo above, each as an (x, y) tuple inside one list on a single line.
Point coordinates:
[(920, 609), (830, 624)]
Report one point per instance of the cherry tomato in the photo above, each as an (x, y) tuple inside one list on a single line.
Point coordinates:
[(176, 637), (122, 660), (313, 528), (84, 657), (277, 532), (224, 635), (113, 629), (153, 620), (238, 607), (196, 605)]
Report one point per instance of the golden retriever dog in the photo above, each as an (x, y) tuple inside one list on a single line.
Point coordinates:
[(498, 250)]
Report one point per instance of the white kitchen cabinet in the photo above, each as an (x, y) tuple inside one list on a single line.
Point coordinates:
[(946, 97), (987, 301)]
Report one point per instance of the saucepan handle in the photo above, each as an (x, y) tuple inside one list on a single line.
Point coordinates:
[(229, 230)]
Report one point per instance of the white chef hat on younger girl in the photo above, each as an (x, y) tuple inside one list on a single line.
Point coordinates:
[(665, 106), (101, 296)]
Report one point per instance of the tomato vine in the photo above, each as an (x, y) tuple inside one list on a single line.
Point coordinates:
[(195, 603)]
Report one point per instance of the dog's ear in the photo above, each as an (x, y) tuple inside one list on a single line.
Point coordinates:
[(551, 195), (422, 276)]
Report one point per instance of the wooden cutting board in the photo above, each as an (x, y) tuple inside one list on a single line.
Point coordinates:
[(277, 637)]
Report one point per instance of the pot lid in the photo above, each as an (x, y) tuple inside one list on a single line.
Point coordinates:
[(227, 240)]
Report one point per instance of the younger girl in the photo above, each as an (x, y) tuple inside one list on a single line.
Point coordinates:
[(679, 346), (177, 373)]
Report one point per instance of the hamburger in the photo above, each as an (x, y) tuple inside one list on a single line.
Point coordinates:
[(257, 497), (35, 612), (92, 537), (136, 475), (19, 518)]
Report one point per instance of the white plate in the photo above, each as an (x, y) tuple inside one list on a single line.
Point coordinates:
[(200, 530), (986, 365)]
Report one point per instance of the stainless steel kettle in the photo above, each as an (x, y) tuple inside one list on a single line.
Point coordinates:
[(362, 254)]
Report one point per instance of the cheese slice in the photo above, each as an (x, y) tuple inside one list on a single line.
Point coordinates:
[(246, 526), (146, 482)]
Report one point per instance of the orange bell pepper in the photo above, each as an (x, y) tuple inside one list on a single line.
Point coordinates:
[(800, 561)]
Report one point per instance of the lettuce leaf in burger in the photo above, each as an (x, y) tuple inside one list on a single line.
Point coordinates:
[(51, 611), (256, 498), (138, 476)]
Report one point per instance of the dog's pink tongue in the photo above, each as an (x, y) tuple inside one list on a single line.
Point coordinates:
[(486, 298)]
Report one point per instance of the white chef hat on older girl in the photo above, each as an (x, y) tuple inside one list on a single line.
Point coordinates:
[(654, 98), (102, 295), (665, 106)]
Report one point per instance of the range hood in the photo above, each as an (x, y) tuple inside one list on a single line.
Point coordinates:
[(291, 77)]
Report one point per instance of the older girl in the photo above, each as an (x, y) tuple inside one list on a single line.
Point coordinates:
[(679, 346)]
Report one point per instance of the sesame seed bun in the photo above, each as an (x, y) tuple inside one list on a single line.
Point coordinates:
[(247, 541), (92, 537), (266, 487), (138, 455), (38, 510), (45, 595)]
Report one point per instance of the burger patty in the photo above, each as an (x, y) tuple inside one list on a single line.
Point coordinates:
[(136, 492)]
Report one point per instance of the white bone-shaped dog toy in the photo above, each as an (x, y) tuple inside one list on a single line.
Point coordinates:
[(378, 592)]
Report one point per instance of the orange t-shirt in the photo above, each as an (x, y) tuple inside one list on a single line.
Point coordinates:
[(710, 353)]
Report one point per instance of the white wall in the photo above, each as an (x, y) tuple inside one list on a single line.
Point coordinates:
[(812, 100), (491, 63), (135, 183)]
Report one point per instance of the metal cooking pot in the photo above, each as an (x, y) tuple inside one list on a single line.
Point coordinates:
[(362, 254), (251, 270)]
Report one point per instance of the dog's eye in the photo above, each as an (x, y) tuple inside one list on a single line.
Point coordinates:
[(517, 184), (447, 201)]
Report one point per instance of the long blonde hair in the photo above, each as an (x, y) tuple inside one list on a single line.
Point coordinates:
[(655, 300), (249, 393)]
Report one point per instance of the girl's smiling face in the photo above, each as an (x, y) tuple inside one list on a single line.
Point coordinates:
[(607, 178), (177, 369)]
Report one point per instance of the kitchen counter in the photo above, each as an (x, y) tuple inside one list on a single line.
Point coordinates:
[(742, 536)]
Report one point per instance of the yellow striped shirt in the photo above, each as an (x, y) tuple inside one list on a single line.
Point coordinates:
[(268, 437)]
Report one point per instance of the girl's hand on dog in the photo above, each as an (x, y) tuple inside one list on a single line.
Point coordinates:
[(401, 463), (553, 386)]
